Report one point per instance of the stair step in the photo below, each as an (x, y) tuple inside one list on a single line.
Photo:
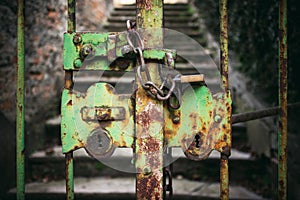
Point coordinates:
[(124, 188), (174, 25), (50, 164), (179, 7), (169, 19), (167, 13)]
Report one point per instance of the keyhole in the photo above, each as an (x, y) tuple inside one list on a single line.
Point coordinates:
[(100, 144), (197, 138)]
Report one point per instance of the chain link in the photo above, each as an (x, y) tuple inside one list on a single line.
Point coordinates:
[(167, 180), (166, 90)]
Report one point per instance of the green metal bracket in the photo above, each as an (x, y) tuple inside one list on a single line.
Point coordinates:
[(105, 51), (201, 115)]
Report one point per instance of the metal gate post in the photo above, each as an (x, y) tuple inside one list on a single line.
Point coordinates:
[(20, 137), (282, 134), (69, 85), (149, 112), (224, 174)]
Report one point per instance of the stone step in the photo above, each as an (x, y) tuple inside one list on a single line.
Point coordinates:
[(177, 6), (192, 32), (170, 25), (170, 19), (50, 164), (167, 13), (124, 188)]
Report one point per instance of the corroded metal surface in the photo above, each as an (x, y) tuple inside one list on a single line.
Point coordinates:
[(99, 107), (69, 176), (224, 177), (105, 51), (223, 6), (20, 121), (282, 134), (71, 28), (148, 111)]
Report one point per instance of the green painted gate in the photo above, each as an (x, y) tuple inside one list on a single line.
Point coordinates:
[(157, 116)]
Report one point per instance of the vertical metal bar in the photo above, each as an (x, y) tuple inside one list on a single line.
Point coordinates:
[(68, 85), (20, 123), (282, 134), (69, 176), (224, 174), (71, 16), (148, 111), (224, 43)]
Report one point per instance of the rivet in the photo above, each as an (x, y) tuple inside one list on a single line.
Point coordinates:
[(218, 118), (77, 39), (176, 120), (77, 63), (87, 50), (146, 170)]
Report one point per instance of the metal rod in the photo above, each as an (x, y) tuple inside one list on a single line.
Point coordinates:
[(224, 177), (69, 85), (20, 122), (71, 16), (224, 43), (148, 111), (69, 176), (282, 133), (248, 116), (224, 174)]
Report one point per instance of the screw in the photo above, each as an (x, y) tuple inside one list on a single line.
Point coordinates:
[(176, 120), (218, 118), (77, 39), (146, 170), (126, 49), (77, 63), (87, 50)]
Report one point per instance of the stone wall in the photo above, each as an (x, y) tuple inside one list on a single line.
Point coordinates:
[(45, 23)]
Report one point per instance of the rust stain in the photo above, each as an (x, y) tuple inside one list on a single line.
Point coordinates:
[(149, 186), (148, 116), (69, 103)]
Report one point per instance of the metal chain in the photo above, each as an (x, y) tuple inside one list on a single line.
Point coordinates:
[(150, 87), (168, 171)]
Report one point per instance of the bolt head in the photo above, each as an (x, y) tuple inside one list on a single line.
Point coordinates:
[(218, 118), (87, 50), (77, 39), (146, 170), (77, 63), (176, 120)]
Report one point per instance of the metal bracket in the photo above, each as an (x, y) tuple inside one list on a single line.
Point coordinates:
[(106, 51), (201, 124)]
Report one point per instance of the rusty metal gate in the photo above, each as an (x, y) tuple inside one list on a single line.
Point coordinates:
[(158, 116)]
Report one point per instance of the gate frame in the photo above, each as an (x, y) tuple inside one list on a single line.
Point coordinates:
[(224, 177)]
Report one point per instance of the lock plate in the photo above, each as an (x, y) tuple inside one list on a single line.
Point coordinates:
[(200, 125)]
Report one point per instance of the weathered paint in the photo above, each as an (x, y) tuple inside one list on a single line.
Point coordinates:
[(196, 117), (103, 51), (148, 111), (224, 43), (71, 16), (282, 134), (69, 176), (99, 107), (224, 177), (20, 122), (71, 28)]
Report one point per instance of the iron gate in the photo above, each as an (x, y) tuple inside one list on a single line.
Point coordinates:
[(150, 174)]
